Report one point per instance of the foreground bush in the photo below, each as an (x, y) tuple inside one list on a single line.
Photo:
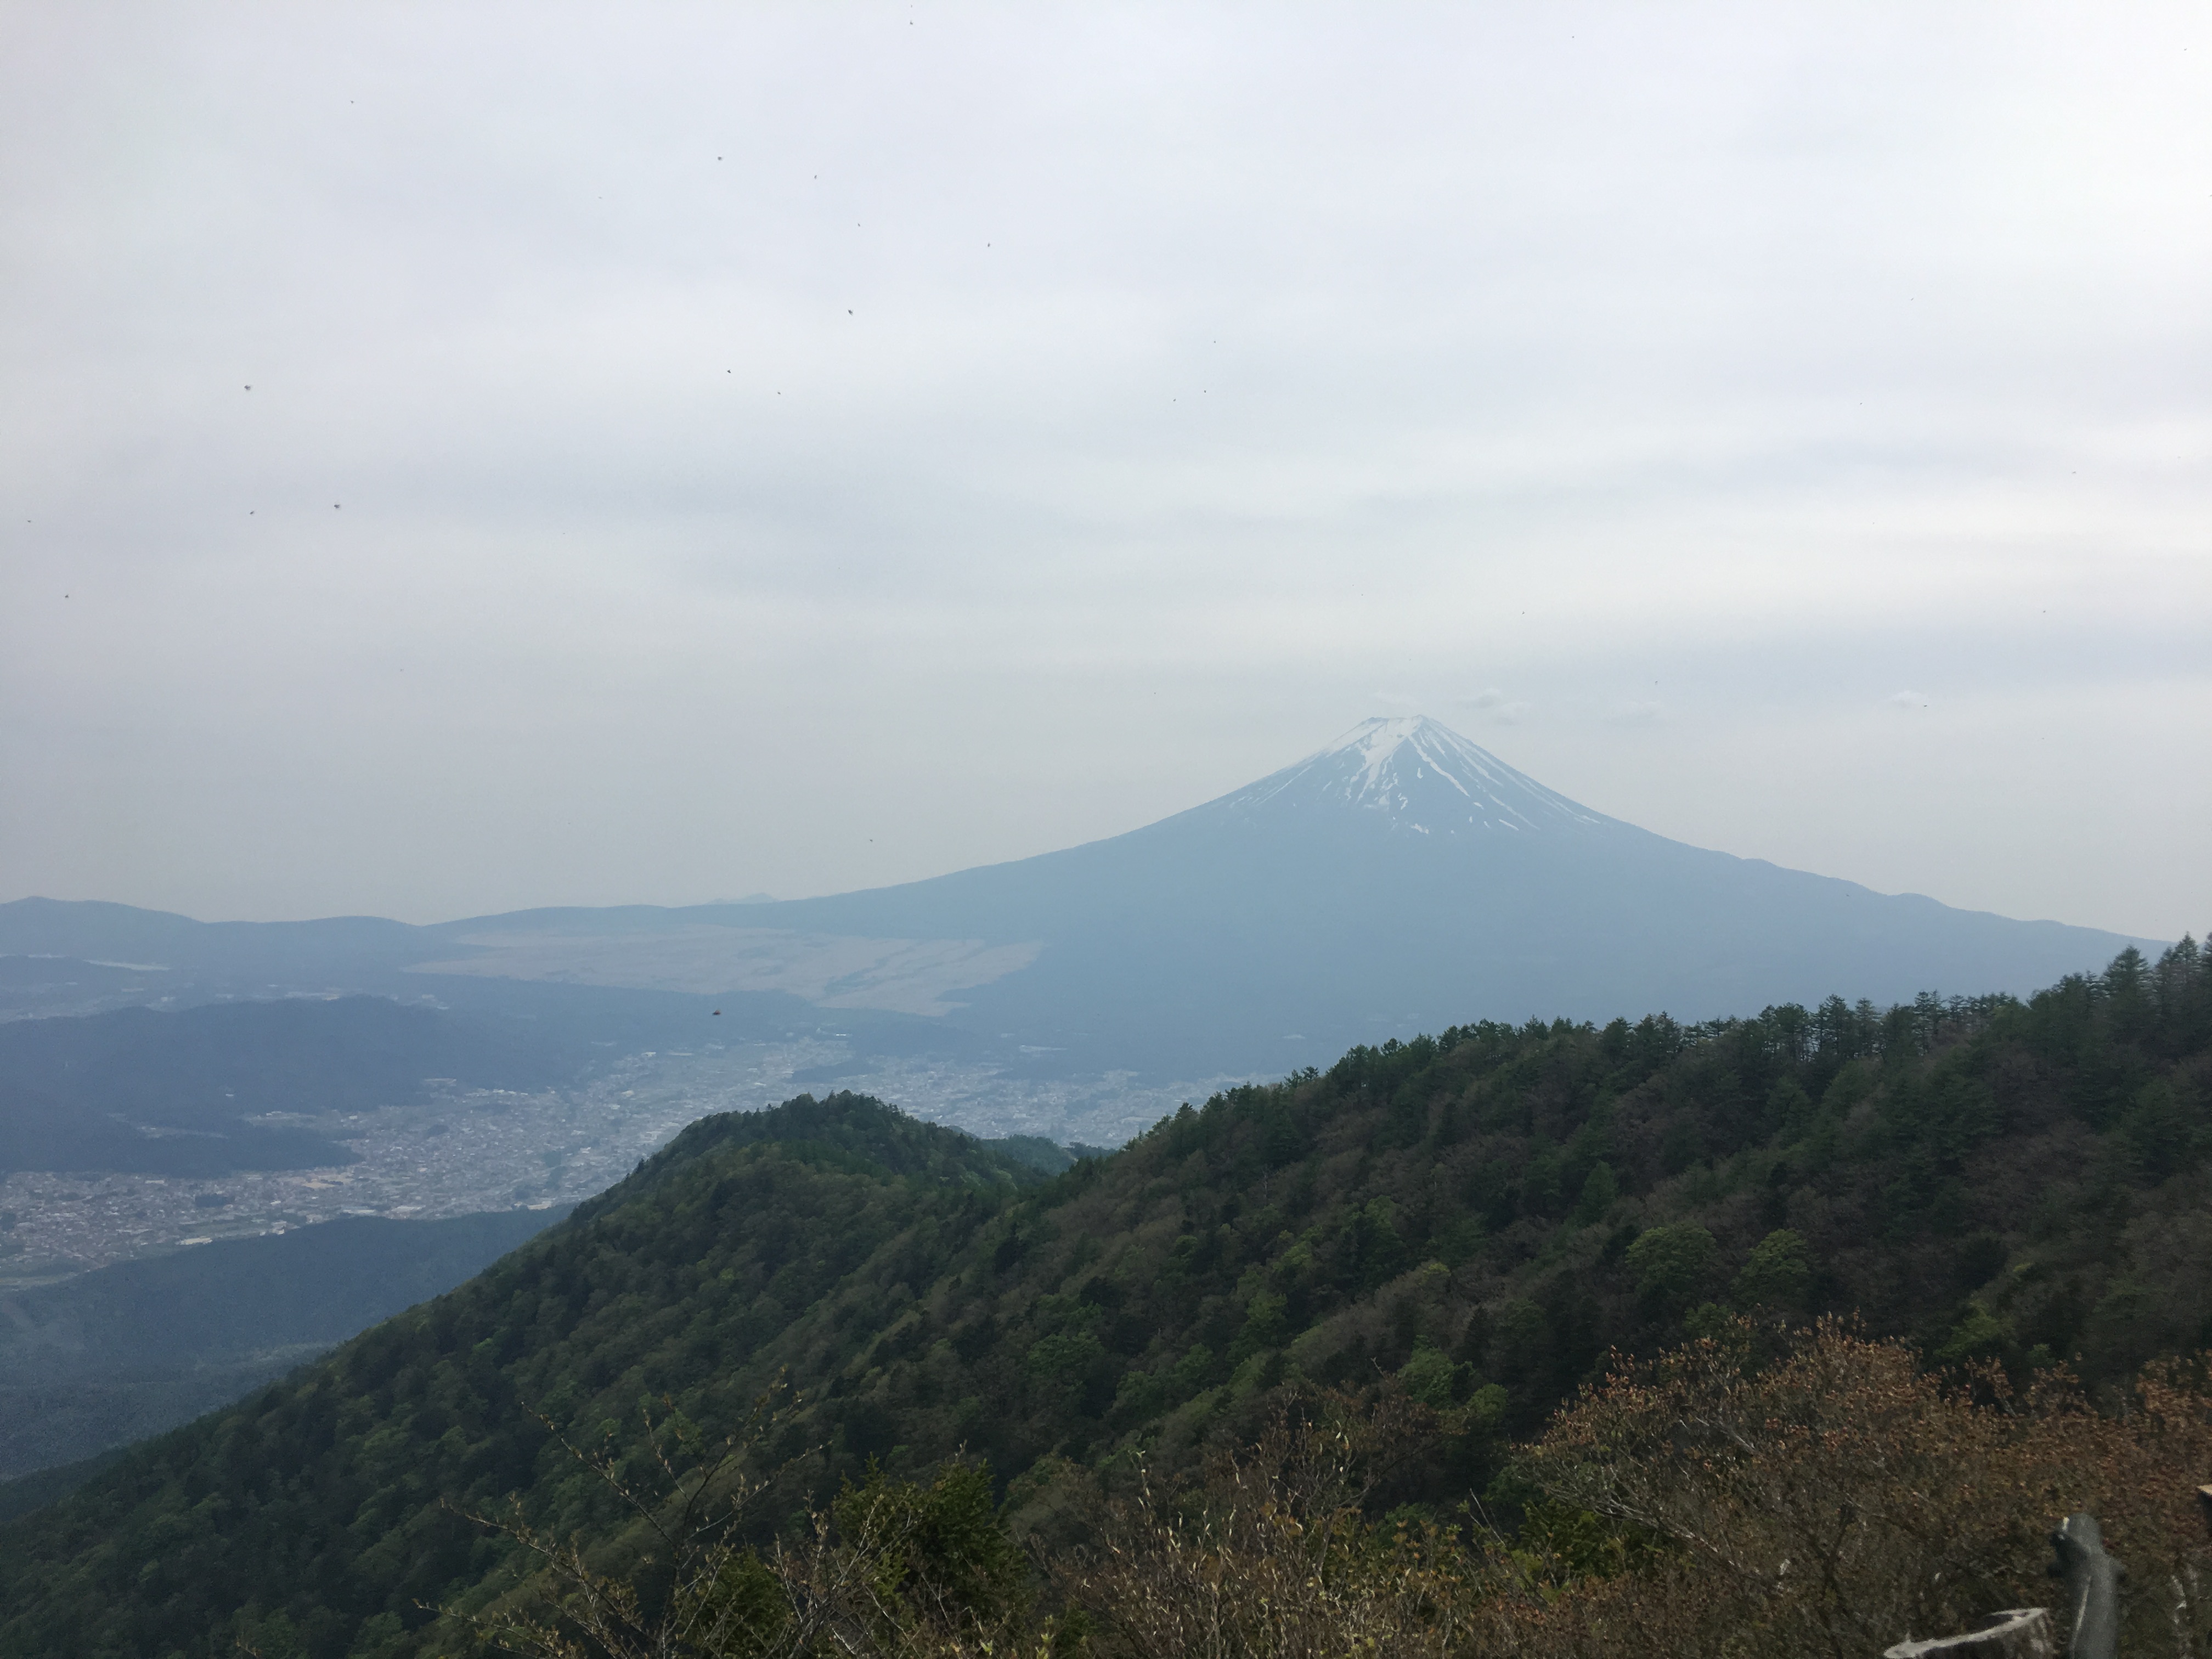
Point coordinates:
[(1273, 1553), (1805, 1495), (1836, 1499)]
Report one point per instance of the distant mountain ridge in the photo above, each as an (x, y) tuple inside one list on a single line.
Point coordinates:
[(1402, 878)]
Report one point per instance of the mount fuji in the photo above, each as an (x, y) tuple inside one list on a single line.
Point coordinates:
[(1402, 879)]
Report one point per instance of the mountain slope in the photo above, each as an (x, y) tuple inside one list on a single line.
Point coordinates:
[(1480, 1214), (130, 1350), (1405, 880), (674, 1280)]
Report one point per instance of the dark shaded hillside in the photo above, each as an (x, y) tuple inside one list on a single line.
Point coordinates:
[(127, 1351), (170, 1093), (253, 953), (1480, 1214), (47, 985), (680, 1278)]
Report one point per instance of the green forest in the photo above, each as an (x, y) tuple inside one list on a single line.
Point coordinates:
[(1411, 1339)]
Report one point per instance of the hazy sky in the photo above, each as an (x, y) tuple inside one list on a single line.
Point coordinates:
[(699, 450)]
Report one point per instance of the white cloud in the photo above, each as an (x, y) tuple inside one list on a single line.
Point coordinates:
[(1496, 707)]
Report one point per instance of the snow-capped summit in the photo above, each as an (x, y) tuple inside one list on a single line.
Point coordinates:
[(1419, 775)]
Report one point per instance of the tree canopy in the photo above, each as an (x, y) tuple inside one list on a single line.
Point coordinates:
[(1476, 1219)]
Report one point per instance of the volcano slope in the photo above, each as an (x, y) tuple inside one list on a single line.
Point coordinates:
[(1479, 1216), (1400, 880)]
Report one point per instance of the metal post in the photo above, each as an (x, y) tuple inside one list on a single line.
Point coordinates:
[(2090, 1621)]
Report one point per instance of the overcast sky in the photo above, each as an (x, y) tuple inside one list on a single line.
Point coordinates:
[(694, 451)]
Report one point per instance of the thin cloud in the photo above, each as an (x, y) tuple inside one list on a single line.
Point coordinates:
[(1498, 707), (1037, 422)]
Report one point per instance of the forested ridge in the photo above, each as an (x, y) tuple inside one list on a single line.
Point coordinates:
[(1477, 1218), (97, 1361)]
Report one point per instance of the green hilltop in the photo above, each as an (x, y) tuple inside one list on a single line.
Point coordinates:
[(1480, 1217)]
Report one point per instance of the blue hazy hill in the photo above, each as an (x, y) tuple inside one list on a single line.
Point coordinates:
[(1405, 880)]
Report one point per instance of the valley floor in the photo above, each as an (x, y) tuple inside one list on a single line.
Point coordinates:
[(482, 1149)]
